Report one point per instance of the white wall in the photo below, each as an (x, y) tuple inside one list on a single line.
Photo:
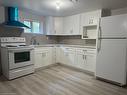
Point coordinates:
[(119, 11)]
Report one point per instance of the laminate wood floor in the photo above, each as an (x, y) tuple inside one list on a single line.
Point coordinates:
[(58, 80)]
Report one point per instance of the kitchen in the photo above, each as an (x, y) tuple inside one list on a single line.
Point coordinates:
[(63, 47)]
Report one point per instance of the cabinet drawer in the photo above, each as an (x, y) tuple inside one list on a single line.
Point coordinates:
[(91, 51), (69, 49), (81, 50), (41, 49), (84, 51)]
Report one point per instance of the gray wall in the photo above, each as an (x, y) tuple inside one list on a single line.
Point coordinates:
[(119, 11)]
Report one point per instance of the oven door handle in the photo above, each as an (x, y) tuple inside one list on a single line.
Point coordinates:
[(20, 50)]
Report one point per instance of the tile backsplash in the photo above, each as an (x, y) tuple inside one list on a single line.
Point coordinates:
[(6, 31), (75, 40)]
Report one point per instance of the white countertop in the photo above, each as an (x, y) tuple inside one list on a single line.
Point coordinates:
[(66, 45)]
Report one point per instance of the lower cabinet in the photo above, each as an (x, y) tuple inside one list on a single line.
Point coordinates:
[(43, 57), (81, 61), (77, 57), (90, 62), (86, 59), (80, 58), (69, 58)]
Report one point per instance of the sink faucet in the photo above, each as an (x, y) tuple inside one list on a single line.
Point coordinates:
[(33, 41)]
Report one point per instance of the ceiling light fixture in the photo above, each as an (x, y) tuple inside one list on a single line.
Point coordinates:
[(58, 5)]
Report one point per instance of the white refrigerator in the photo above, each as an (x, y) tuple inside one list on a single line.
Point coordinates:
[(112, 49)]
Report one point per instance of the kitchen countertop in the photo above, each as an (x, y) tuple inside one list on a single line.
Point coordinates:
[(65, 45)]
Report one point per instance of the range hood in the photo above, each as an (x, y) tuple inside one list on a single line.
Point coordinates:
[(12, 18)]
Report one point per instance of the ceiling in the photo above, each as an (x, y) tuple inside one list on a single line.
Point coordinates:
[(48, 7)]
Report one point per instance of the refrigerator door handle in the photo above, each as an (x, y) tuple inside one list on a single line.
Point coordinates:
[(99, 37), (99, 43)]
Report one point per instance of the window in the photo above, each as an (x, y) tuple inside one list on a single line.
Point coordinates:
[(27, 23), (34, 27)]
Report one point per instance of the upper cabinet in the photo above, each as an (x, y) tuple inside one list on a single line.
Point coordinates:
[(71, 25), (49, 25), (90, 18), (63, 25), (89, 24), (85, 24), (58, 25)]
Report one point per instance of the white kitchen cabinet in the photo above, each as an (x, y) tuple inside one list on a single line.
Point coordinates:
[(90, 18), (86, 59), (89, 24), (80, 61), (43, 57), (67, 24), (90, 62), (58, 57), (77, 57), (58, 25), (65, 55), (49, 24), (71, 25), (89, 32), (69, 58)]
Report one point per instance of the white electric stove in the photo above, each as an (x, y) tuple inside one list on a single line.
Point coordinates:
[(16, 57)]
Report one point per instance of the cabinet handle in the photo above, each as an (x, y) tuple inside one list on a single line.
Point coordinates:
[(83, 56), (43, 54), (91, 21)]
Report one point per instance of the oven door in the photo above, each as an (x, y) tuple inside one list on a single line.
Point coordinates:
[(20, 58)]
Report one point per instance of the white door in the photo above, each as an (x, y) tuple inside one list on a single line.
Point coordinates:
[(111, 60), (114, 26)]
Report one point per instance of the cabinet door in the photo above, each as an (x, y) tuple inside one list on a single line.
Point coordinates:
[(70, 58), (68, 28), (49, 56), (76, 24), (90, 62), (58, 25), (84, 19), (40, 59), (50, 25), (90, 18), (71, 25), (80, 63), (58, 55)]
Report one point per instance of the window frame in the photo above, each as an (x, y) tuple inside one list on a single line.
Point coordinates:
[(31, 25)]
